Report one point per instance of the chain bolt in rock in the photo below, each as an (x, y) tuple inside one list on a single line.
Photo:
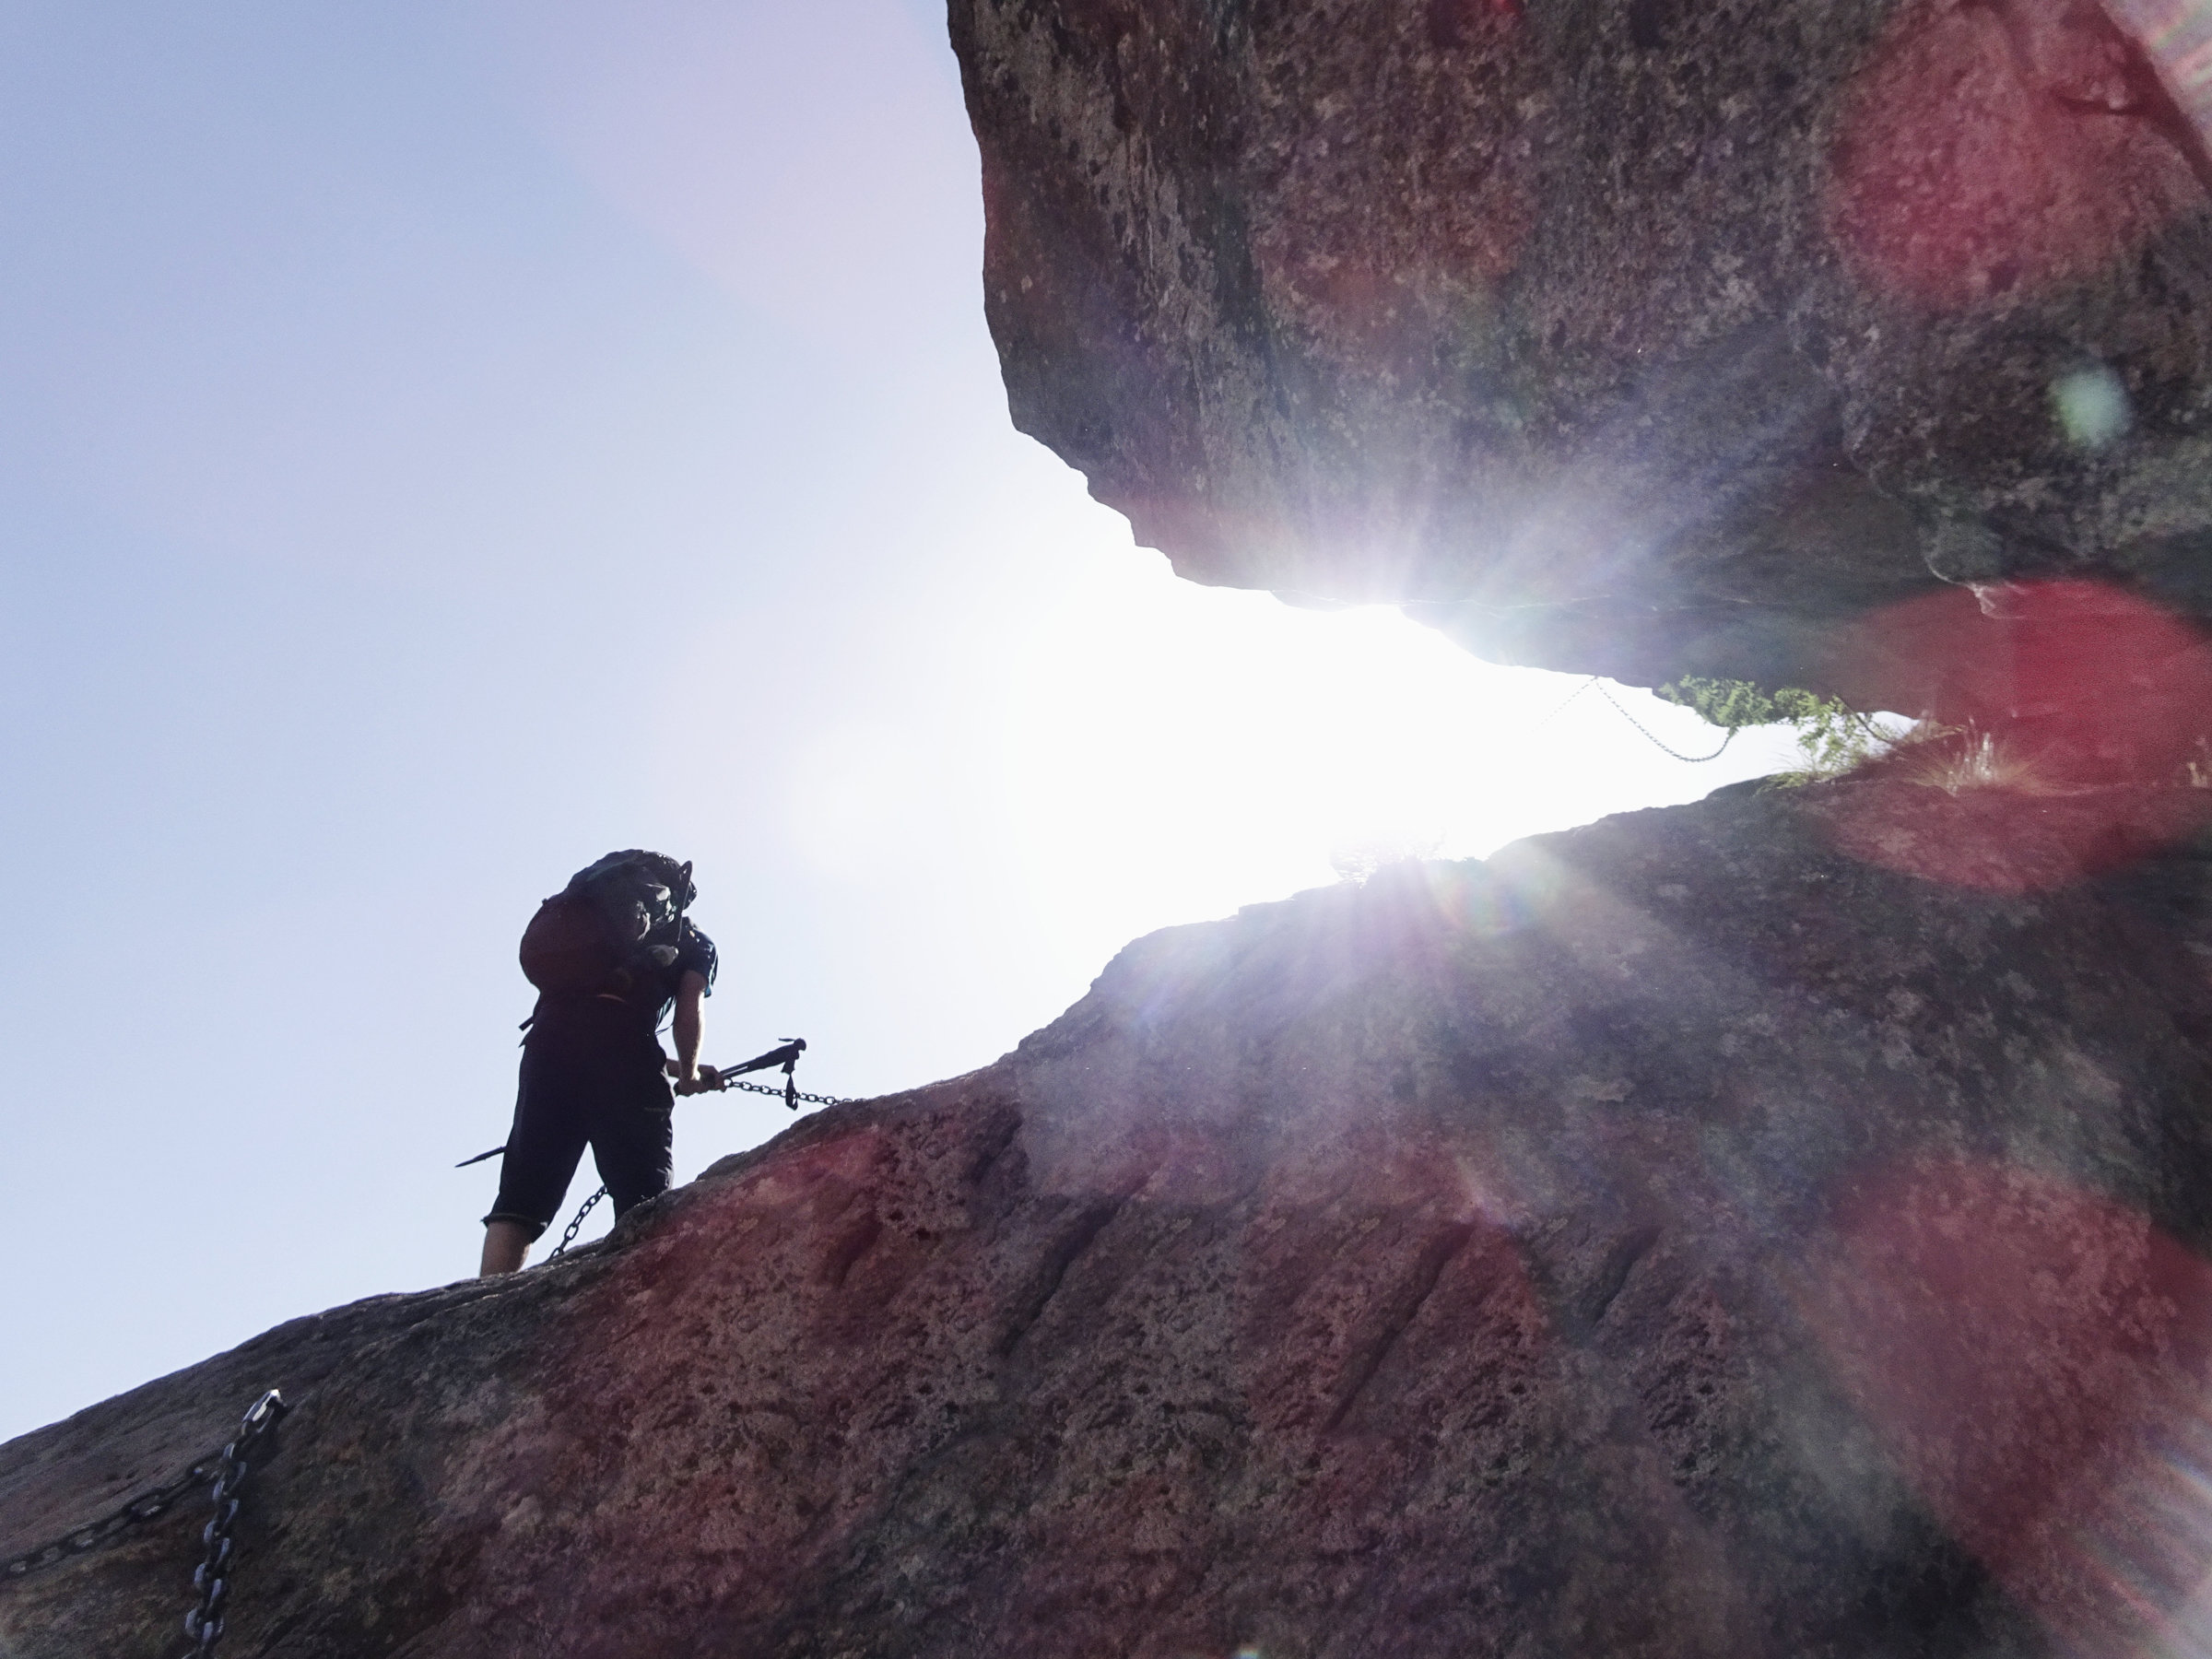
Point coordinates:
[(203, 1624)]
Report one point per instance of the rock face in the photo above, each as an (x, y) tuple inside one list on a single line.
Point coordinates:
[(1770, 1226), (1631, 336)]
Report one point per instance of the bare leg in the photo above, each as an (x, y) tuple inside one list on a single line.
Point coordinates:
[(505, 1244)]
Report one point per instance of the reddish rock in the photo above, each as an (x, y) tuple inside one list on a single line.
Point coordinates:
[(1628, 336), (1676, 1237)]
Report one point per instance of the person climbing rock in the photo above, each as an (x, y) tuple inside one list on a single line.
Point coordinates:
[(610, 954)]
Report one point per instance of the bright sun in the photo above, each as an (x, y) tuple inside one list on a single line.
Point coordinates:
[(1091, 747), (1173, 750)]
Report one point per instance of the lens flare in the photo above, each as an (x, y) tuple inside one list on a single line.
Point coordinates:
[(2093, 405), (1965, 172), (2034, 1357), (2065, 717), (1479, 905)]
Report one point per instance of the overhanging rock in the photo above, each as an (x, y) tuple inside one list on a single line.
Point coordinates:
[(1773, 1226), (1631, 336)]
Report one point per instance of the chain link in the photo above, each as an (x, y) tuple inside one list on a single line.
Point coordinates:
[(575, 1226), (788, 1095), (203, 1624), (794, 1094), (1561, 706), (147, 1506), (226, 1468), (1656, 742)]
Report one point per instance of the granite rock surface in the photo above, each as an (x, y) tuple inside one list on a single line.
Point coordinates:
[(1637, 338), (1775, 1226)]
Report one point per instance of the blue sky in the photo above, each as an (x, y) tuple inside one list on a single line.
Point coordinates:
[(441, 442)]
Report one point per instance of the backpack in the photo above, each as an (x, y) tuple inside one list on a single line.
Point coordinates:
[(616, 919)]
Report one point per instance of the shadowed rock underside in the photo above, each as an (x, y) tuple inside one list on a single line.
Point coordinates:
[(1626, 336)]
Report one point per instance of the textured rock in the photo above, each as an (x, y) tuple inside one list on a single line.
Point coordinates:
[(1770, 1227), (1631, 337)]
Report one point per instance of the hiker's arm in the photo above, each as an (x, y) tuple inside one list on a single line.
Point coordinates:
[(686, 1027)]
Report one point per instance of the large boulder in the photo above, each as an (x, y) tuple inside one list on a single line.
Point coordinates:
[(1768, 1226), (1633, 336)]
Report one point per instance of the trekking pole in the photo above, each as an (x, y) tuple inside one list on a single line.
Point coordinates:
[(785, 1054)]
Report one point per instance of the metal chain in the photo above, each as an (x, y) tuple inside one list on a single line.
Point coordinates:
[(1678, 754), (1561, 707), (203, 1624), (146, 1507), (575, 1226), (788, 1095), (792, 1094)]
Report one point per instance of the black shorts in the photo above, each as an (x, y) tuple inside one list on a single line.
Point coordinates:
[(592, 1074)]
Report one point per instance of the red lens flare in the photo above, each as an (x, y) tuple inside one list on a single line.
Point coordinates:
[(2071, 721), (1987, 151), (2032, 1358)]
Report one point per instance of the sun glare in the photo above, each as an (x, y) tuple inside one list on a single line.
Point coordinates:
[(1170, 752)]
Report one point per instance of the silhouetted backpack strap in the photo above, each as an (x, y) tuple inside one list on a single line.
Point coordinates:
[(615, 917)]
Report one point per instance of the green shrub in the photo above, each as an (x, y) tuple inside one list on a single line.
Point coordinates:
[(1833, 736)]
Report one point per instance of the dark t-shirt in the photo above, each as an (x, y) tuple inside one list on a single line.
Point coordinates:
[(655, 988), (650, 990)]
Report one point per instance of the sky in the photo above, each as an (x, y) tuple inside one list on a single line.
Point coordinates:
[(441, 443)]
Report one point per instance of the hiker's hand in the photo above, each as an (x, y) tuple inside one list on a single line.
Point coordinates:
[(708, 1078)]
